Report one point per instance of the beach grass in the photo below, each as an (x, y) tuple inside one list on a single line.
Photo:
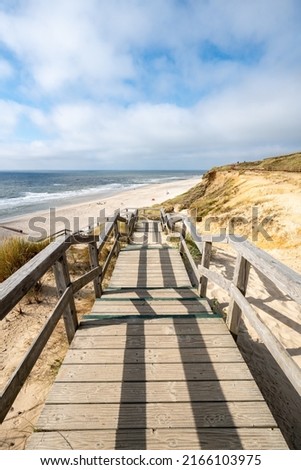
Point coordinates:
[(15, 252)]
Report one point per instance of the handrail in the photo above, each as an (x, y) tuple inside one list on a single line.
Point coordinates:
[(54, 255), (18, 284), (247, 254)]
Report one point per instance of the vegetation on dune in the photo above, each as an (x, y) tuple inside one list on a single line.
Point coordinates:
[(290, 162), (15, 252), (206, 197)]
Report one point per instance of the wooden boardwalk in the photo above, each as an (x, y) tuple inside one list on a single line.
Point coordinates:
[(153, 368)]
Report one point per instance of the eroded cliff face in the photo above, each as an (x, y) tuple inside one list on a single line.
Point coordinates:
[(264, 206)]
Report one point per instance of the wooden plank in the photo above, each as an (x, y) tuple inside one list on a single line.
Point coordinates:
[(183, 341), (281, 275), (152, 329), (147, 284), (94, 262), (150, 356), (153, 372), (165, 439), (168, 276), (18, 284), (215, 277), (105, 234), (280, 354), (205, 262), (166, 320), (142, 293), (151, 301), (240, 280), (86, 278), (20, 375), (132, 309), (162, 416), (153, 392), (110, 256), (62, 279), (195, 275)]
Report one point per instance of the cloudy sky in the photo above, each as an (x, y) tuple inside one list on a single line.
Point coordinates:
[(148, 84)]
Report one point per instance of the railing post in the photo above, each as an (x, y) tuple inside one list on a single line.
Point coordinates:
[(184, 229), (62, 278), (240, 280), (206, 254), (94, 263)]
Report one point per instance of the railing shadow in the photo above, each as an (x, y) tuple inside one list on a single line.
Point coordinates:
[(124, 440), (215, 410)]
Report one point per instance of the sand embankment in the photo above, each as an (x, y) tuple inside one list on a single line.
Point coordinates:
[(265, 207)]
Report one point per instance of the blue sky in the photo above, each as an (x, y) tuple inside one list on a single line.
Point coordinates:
[(160, 84)]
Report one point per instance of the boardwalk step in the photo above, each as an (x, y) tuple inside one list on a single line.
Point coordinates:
[(152, 367), (161, 439)]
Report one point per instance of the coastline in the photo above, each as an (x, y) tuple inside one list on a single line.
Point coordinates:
[(80, 215)]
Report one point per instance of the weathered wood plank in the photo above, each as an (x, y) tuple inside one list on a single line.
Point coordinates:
[(62, 279), (148, 285), (165, 439), (151, 293), (183, 341), (151, 301), (205, 262), (215, 277), (94, 262), (16, 286), (162, 416), (194, 274), (280, 354), (132, 309), (86, 278), (164, 320), (20, 375), (240, 280), (153, 372), (110, 256), (150, 356), (281, 275), (153, 392), (152, 329)]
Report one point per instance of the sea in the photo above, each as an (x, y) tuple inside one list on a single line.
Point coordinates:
[(26, 192)]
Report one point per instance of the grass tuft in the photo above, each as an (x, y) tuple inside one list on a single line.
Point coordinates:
[(15, 252)]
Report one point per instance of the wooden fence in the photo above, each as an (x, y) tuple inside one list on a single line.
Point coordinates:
[(247, 255), (54, 256)]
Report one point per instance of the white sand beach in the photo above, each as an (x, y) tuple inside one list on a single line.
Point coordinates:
[(77, 216)]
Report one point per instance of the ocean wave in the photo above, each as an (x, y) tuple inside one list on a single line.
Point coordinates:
[(29, 198)]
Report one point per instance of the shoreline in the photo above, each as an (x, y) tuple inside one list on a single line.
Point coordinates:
[(79, 215)]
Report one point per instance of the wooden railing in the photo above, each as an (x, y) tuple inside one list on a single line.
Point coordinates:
[(54, 256), (247, 255)]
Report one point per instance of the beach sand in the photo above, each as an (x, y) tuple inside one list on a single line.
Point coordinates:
[(77, 216)]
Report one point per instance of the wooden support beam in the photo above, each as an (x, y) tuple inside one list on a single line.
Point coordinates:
[(240, 280), (62, 278), (94, 262), (206, 254)]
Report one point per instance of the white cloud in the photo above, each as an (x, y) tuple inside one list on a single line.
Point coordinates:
[(6, 70), (120, 78)]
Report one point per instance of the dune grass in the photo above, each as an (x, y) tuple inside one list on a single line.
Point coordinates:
[(15, 252)]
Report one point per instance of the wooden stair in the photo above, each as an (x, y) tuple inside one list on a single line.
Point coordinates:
[(152, 367)]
